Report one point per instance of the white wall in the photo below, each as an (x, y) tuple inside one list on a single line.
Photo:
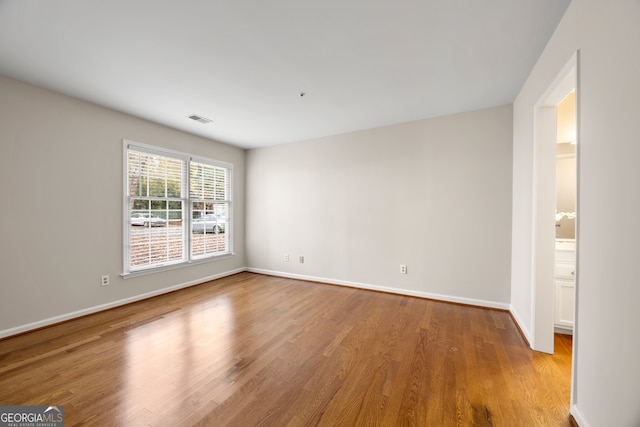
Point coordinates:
[(61, 216), (606, 377), (432, 194)]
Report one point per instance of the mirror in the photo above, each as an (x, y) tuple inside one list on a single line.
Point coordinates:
[(566, 169)]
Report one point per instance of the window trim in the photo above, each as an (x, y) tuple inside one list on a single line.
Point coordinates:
[(187, 210)]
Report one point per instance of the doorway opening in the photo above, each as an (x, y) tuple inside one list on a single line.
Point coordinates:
[(566, 192), (552, 299)]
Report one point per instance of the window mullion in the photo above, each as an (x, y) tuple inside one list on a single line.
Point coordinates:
[(188, 208)]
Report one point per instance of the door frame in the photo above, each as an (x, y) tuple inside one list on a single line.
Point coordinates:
[(544, 202)]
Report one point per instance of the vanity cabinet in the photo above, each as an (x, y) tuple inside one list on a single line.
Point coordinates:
[(565, 269)]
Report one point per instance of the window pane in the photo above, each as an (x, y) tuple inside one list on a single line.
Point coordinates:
[(221, 210), (209, 182), (155, 243), (157, 176), (174, 178), (208, 244), (138, 171), (174, 213), (158, 204), (140, 204), (156, 234), (209, 229)]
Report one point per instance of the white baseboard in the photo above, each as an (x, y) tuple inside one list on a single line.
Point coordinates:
[(563, 331), (439, 297), (61, 318), (57, 319), (577, 416), (524, 330)]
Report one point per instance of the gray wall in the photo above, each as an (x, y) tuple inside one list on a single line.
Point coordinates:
[(61, 173), (432, 194), (606, 379)]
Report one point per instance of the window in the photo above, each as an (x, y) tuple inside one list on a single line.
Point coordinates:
[(177, 208)]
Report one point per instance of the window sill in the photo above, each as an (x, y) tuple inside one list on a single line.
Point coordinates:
[(175, 266)]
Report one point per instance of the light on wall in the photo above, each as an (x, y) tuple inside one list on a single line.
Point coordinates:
[(568, 215)]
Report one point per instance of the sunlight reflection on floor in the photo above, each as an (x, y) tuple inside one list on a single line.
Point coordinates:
[(162, 354)]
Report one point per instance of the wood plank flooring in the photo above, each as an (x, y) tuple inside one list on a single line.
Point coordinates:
[(253, 350)]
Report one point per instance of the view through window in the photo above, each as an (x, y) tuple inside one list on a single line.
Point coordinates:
[(177, 208)]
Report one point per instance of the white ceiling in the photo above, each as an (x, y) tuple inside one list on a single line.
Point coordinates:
[(243, 64)]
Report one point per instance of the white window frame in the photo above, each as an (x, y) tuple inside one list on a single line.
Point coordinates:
[(187, 258)]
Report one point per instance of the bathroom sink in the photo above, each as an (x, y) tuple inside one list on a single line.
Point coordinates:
[(565, 244)]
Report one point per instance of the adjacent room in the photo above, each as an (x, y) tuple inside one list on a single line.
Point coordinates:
[(330, 213)]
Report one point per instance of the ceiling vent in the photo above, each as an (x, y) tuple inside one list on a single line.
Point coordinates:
[(198, 118)]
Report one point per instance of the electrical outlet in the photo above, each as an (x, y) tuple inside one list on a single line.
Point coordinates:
[(286, 257), (104, 280), (403, 269), (301, 259)]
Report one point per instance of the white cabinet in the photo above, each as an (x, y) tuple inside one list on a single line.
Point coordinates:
[(565, 270)]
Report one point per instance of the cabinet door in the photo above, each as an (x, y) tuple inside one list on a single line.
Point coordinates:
[(565, 295)]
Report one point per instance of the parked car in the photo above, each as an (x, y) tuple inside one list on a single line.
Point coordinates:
[(147, 220), (209, 223)]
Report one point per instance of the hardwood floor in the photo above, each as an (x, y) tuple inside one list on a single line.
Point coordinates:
[(252, 350)]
